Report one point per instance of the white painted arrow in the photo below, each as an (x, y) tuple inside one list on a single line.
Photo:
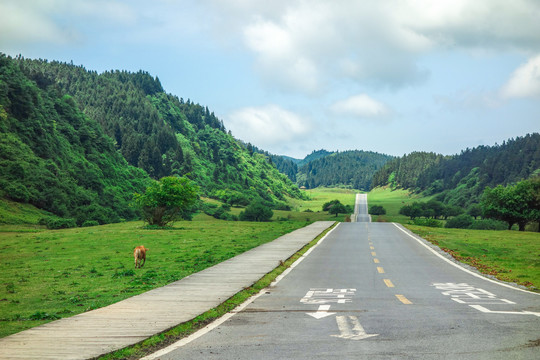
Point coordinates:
[(352, 330), (484, 310), (322, 312)]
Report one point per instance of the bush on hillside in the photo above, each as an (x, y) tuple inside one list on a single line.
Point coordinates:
[(54, 223), (377, 210), (428, 222), (256, 211), (488, 224), (462, 221)]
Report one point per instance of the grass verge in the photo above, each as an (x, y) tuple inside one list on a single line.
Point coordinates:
[(51, 274), (510, 256), (164, 339)]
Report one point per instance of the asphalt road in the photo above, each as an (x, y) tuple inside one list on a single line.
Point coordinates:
[(361, 209), (370, 291)]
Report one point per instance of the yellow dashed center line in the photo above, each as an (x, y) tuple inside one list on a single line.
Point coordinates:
[(373, 253), (388, 283), (404, 300), (380, 270), (376, 261), (372, 248)]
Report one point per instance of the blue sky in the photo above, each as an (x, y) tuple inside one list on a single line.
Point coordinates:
[(392, 76)]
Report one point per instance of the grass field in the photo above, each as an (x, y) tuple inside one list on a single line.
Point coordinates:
[(50, 274), (509, 255), (392, 201)]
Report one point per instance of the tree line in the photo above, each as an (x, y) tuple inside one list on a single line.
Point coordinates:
[(461, 179), (348, 168), (74, 139)]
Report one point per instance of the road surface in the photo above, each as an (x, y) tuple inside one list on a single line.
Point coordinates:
[(371, 291), (361, 209)]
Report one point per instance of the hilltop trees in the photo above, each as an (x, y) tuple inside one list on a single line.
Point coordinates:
[(58, 159)]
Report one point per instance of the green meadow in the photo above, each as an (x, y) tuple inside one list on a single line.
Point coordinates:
[(50, 274), (392, 201)]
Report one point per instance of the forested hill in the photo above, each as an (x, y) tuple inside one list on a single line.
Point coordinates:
[(350, 168), (57, 159), (460, 179), (131, 113)]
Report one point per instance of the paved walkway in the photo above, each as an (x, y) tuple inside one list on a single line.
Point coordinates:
[(127, 322)]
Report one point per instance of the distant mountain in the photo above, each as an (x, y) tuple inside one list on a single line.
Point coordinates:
[(316, 154), (80, 128), (324, 168), (349, 168), (461, 179)]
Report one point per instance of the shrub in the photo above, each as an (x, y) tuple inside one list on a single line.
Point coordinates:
[(282, 206), (462, 221), (428, 222), (90, 223), (256, 211), (377, 210), (60, 223), (488, 224)]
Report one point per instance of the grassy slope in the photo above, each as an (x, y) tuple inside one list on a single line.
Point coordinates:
[(392, 201), (509, 255)]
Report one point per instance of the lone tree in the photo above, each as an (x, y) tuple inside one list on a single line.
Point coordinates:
[(377, 210), (170, 199), (336, 207), (513, 204), (256, 211)]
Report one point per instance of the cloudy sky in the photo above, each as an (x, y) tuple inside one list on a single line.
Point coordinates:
[(292, 76)]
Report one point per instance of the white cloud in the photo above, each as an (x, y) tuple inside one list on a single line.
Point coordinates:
[(525, 81), (58, 22), (306, 45), (359, 106), (22, 23), (267, 125)]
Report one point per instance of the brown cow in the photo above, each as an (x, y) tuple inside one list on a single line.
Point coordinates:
[(140, 256)]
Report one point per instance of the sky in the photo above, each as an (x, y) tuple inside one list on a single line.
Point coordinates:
[(293, 76)]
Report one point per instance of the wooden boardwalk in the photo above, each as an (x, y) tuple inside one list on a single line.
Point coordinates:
[(130, 321)]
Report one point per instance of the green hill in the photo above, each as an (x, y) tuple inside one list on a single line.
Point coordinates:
[(56, 158), (461, 179), (348, 168), (73, 139)]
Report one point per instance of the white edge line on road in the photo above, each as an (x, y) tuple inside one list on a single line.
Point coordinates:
[(421, 242), (230, 314)]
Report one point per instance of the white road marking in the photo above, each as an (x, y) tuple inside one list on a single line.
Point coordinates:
[(239, 308), (484, 310), (466, 294), (322, 312), (421, 242), (351, 329), (325, 296)]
